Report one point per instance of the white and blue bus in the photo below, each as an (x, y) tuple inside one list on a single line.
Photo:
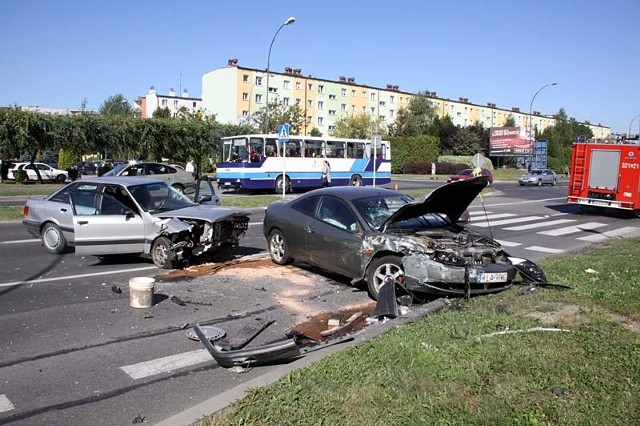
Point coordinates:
[(261, 162)]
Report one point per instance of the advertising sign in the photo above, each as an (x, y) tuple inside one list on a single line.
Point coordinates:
[(510, 141)]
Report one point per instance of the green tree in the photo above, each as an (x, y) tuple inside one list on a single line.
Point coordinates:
[(279, 114), (359, 126), (116, 105), (510, 121), (164, 112), (315, 132), (466, 142), (417, 118)]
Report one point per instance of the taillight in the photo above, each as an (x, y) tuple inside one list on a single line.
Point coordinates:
[(25, 211)]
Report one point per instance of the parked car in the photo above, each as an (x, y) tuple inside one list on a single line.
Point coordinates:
[(538, 177), (47, 172), (133, 215), (370, 234), (87, 167), (180, 179), (468, 174)]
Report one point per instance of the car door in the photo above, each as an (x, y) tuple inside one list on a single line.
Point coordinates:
[(45, 171), (334, 238), (160, 171), (100, 230)]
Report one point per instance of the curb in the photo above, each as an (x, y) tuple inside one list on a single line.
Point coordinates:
[(224, 400)]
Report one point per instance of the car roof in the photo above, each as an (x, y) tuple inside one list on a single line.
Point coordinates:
[(351, 192), (122, 180)]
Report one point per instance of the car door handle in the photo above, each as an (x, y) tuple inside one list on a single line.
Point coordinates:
[(310, 230), (63, 210), (83, 222)]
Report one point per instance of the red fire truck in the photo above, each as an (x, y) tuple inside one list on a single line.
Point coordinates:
[(605, 175)]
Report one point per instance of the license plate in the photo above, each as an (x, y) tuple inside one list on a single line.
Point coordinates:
[(492, 277), (599, 203)]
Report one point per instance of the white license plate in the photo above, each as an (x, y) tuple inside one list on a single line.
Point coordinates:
[(599, 203), (492, 277)]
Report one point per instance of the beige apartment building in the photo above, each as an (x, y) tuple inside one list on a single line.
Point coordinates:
[(234, 93)]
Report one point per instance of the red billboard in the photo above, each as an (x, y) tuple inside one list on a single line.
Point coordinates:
[(510, 141)]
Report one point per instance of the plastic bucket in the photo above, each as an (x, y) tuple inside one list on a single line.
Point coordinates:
[(141, 292)]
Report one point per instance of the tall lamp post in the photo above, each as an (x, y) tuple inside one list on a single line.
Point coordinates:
[(290, 20), (629, 134), (531, 135)]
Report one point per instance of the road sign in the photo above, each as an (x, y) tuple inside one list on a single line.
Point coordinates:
[(478, 160), (283, 132)]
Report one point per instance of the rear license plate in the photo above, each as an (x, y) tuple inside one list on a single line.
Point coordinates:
[(492, 277)]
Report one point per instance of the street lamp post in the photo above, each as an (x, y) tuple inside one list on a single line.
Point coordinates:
[(290, 20), (531, 116), (629, 134)]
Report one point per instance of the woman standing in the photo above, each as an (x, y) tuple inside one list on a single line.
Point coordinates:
[(326, 173)]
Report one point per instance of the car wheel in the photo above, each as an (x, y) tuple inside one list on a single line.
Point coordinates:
[(161, 253), (356, 180), (61, 178), (522, 184), (554, 182), (278, 249), (539, 183), (53, 239), (179, 188), (279, 185), (381, 268)]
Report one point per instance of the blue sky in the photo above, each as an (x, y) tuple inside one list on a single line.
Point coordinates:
[(57, 53)]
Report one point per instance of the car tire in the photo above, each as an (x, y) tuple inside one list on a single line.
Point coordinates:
[(539, 183), (278, 249), (179, 188), (379, 269), (554, 182), (161, 253), (61, 178), (356, 180), (278, 188), (522, 184), (53, 239)]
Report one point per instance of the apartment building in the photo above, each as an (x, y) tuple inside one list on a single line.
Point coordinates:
[(152, 101), (234, 93)]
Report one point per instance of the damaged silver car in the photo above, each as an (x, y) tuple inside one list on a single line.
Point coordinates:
[(115, 215), (370, 234)]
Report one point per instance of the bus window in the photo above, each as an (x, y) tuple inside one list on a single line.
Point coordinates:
[(312, 148), (355, 150), (256, 149), (334, 149), (294, 148), (271, 148), (380, 152), (237, 149)]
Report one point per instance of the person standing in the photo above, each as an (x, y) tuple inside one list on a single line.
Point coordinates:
[(326, 174)]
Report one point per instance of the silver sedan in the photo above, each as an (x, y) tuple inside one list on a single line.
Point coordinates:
[(538, 177)]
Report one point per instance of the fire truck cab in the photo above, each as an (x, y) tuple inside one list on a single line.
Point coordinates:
[(605, 175)]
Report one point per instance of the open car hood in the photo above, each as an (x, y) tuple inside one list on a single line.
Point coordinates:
[(450, 200)]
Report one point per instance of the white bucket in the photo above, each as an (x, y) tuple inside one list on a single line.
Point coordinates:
[(141, 292)]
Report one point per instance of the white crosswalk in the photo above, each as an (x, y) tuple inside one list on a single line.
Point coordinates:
[(513, 222)]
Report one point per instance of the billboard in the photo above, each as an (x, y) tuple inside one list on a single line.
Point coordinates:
[(510, 141)]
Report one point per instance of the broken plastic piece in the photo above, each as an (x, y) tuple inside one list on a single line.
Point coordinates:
[(343, 326), (245, 335), (387, 305)]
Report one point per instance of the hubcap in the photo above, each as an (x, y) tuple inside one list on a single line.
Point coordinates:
[(388, 270), (51, 238), (277, 247)]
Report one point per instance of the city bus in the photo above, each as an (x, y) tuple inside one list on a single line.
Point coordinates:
[(261, 162)]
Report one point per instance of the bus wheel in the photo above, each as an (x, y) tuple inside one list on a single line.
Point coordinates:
[(356, 180), (279, 185)]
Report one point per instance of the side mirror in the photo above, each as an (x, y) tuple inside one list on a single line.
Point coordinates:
[(204, 199)]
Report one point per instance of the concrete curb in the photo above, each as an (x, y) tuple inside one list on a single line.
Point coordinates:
[(225, 399)]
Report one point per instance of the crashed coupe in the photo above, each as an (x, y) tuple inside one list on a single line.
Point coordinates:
[(116, 215), (372, 234)]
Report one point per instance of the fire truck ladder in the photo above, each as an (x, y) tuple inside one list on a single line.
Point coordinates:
[(578, 169)]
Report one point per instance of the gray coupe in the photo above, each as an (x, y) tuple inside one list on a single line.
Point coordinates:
[(118, 215), (373, 234)]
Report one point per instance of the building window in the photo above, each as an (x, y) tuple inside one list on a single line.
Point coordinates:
[(320, 105), (310, 103), (285, 101), (353, 92), (298, 100), (373, 96), (320, 88), (245, 96), (175, 103), (332, 97), (245, 78), (258, 98), (310, 86), (309, 119), (364, 93), (320, 121), (373, 110), (383, 118), (353, 108), (194, 104), (364, 109), (382, 103), (164, 102), (392, 99), (258, 81), (298, 85), (343, 108), (391, 112), (286, 85), (332, 127), (343, 92), (400, 99), (332, 112), (245, 113), (273, 90)]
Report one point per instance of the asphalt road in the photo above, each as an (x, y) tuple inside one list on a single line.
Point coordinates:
[(74, 351)]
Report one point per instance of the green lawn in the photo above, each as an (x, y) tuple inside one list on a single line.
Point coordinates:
[(452, 369)]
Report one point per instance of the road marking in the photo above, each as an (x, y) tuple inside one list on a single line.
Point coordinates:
[(508, 243), (572, 229), (166, 364), (33, 240), (5, 404), (480, 217), (71, 277), (539, 225), (544, 249), (477, 205), (508, 221), (609, 234)]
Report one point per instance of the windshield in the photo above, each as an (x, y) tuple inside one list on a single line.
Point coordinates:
[(376, 210), (536, 172), (116, 170), (159, 197)]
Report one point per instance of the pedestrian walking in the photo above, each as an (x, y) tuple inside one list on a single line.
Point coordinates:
[(326, 173)]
